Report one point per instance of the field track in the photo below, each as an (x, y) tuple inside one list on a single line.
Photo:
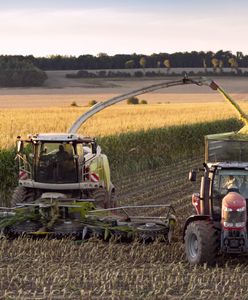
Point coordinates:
[(43, 269)]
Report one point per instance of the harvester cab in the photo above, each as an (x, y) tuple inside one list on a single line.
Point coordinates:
[(219, 224), (62, 163)]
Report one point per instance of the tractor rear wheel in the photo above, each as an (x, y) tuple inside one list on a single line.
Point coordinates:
[(201, 243), (21, 195)]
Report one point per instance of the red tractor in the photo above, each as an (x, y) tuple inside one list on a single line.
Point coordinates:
[(220, 222)]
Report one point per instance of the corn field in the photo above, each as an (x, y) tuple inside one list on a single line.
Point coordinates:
[(134, 151)]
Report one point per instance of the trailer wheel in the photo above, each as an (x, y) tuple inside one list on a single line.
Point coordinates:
[(201, 243), (21, 195)]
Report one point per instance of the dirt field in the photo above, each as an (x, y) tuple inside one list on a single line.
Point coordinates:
[(60, 91)]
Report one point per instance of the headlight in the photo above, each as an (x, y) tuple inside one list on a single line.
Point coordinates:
[(241, 208), (234, 225), (227, 224), (240, 225), (227, 209)]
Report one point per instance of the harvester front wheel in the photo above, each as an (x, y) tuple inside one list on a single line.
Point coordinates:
[(112, 201), (101, 199), (21, 195), (201, 243)]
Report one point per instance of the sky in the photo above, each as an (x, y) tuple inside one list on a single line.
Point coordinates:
[(77, 27)]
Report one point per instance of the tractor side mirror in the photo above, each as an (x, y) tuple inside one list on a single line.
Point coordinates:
[(192, 175), (19, 146)]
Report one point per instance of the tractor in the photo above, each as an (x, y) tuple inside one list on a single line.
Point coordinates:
[(219, 224)]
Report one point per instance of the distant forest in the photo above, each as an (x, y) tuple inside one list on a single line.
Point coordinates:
[(215, 60), (15, 72)]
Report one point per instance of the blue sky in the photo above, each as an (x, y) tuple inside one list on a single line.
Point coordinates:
[(79, 27)]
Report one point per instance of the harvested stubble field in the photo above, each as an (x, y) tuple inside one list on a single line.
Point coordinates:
[(63, 269)]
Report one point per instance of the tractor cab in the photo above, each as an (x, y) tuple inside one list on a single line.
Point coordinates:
[(218, 180), (226, 179)]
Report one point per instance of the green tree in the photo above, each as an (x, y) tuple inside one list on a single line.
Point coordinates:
[(16, 72), (167, 64), (204, 64), (239, 55), (102, 54), (142, 62), (215, 63), (92, 102), (129, 64), (221, 63), (233, 63), (133, 100), (74, 104)]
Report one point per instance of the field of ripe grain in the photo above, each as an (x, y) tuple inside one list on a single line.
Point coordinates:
[(113, 120), (63, 269)]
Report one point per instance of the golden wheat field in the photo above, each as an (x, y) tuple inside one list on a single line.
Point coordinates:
[(113, 120)]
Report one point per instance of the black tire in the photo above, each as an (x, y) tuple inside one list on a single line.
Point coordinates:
[(21, 195), (101, 198), (25, 227), (151, 231), (112, 201), (201, 243)]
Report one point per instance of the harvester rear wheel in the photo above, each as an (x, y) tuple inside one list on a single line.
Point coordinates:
[(21, 195), (201, 243)]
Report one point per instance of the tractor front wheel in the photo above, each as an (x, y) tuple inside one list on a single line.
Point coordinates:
[(201, 243)]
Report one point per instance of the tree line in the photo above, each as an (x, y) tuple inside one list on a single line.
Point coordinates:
[(19, 73), (216, 60)]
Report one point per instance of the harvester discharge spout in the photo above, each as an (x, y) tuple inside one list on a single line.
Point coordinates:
[(200, 81), (242, 115), (102, 105)]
